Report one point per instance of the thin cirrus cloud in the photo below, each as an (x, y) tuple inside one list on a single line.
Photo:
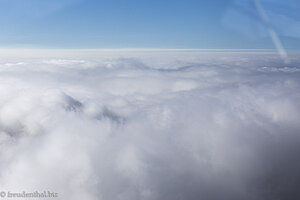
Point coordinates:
[(221, 24)]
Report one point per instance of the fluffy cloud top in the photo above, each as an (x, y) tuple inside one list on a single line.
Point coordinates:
[(151, 126)]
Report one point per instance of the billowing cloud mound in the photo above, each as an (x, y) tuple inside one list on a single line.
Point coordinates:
[(151, 126)]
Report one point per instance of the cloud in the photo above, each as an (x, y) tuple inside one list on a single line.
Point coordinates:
[(121, 125)]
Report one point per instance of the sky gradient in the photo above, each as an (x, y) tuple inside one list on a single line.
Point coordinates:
[(207, 24)]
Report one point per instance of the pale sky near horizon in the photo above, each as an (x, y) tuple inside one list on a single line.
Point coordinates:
[(206, 24)]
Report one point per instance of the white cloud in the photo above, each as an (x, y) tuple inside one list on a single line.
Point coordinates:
[(121, 125)]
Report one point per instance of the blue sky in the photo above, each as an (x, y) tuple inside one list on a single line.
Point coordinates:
[(213, 24)]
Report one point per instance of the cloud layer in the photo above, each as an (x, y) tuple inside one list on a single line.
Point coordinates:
[(151, 126)]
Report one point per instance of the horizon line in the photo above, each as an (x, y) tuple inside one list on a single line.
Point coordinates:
[(146, 49)]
